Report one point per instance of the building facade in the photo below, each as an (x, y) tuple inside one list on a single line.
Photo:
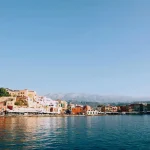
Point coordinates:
[(22, 93), (77, 110), (92, 112)]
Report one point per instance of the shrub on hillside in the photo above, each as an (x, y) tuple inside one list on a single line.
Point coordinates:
[(4, 93)]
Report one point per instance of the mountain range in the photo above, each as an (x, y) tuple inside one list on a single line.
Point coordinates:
[(81, 97)]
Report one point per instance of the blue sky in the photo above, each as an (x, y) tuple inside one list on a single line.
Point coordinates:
[(81, 46)]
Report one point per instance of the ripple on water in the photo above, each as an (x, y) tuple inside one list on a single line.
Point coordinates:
[(105, 133)]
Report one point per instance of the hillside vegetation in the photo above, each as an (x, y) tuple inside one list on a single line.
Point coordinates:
[(4, 93)]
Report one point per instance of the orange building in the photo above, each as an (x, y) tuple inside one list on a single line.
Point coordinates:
[(77, 110)]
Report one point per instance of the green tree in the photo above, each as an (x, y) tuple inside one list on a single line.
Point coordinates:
[(3, 92)]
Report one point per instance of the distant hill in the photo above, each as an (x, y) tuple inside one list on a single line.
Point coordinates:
[(80, 97)]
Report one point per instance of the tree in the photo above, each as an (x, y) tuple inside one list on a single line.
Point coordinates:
[(4, 93), (68, 111)]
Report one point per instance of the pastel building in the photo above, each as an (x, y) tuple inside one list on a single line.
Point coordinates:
[(13, 93), (114, 109), (27, 93), (50, 106), (105, 109), (70, 106), (109, 109), (22, 93), (86, 108), (63, 105), (31, 103)]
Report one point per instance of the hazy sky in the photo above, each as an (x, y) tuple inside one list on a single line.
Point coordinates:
[(84, 46)]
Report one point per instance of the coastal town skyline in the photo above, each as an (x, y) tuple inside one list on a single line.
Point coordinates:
[(28, 102), (77, 46)]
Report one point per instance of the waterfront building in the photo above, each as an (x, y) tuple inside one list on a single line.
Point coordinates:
[(49, 105), (99, 108), (70, 106), (123, 109), (32, 103), (77, 110), (105, 109), (62, 104), (109, 108), (139, 107), (10, 103), (114, 108), (92, 112), (86, 108)]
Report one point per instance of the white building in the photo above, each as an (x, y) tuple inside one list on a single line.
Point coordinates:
[(49, 105), (92, 112)]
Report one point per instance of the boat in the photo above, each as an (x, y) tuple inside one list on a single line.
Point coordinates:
[(123, 113)]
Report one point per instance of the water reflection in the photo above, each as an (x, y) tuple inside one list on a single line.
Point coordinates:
[(120, 132), (28, 130)]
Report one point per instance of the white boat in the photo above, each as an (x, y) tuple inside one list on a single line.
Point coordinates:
[(123, 113)]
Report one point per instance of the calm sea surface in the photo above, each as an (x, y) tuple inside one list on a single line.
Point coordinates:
[(75, 133)]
